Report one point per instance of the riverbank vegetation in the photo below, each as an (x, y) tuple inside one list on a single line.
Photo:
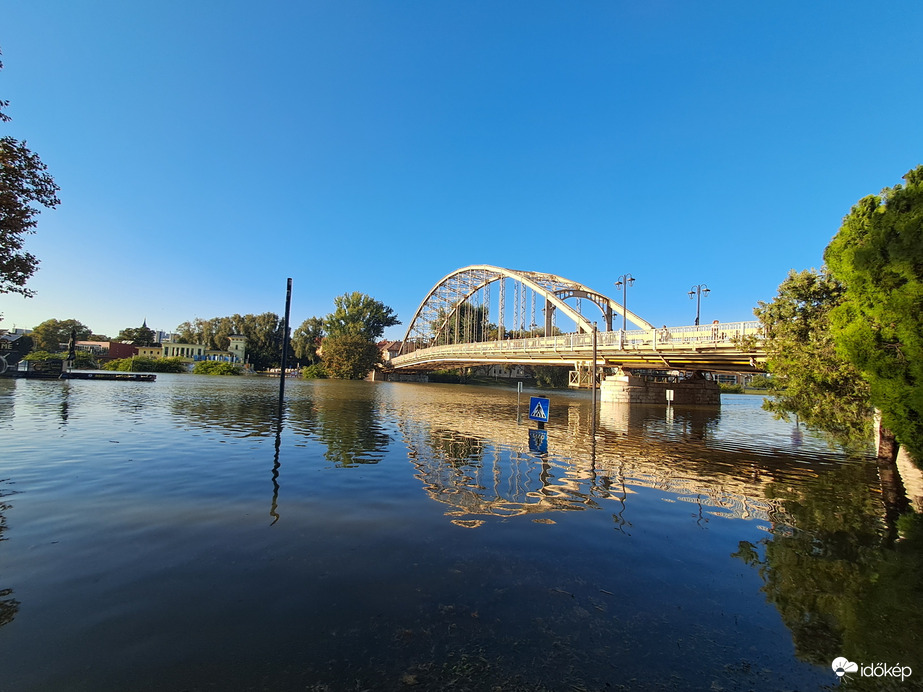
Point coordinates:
[(847, 340), (84, 360), (216, 367), (342, 344), (147, 365)]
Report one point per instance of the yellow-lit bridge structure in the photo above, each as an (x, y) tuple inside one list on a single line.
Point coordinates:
[(484, 315)]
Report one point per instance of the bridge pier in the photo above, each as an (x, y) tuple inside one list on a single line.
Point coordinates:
[(626, 388)]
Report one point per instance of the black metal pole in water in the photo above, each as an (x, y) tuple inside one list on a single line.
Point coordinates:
[(288, 305), (593, 380)]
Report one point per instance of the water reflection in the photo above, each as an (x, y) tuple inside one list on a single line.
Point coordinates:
[(9, 606), (836, 580), (349, 425), (158, 549), (481, 465), (249, 414)]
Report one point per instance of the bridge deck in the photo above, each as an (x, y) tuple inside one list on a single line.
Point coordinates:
[(714, 347)]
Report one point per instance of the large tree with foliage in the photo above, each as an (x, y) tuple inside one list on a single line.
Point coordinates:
[(138, 336), (51, 335), (25, 185), (350, 356), (357, 314), (878, 325), (812, 379), (263, 332), (306, 340)]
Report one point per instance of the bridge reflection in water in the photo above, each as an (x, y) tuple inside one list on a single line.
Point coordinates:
[(485, 468)]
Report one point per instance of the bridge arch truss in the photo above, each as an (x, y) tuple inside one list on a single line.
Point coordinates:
[(474, 303)]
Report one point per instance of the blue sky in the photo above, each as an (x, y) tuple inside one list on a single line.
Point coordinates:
[(206, 150)]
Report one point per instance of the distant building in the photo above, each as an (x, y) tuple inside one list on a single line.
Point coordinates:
[(235, 353), (107, 350), (389, 349), (190, 351), (155, 351)]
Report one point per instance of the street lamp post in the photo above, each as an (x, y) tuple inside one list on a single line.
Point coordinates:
[(625, 280), (697, 292)]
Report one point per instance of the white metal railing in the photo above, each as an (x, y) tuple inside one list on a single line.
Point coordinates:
[(665, 339)]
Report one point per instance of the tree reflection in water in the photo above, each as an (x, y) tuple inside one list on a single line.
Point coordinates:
[(8, 606), (838, 582), (349, 427)]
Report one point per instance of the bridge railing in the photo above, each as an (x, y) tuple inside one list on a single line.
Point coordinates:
[(665, 338)]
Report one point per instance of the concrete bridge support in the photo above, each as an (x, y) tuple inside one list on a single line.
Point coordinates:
[(625, 388)]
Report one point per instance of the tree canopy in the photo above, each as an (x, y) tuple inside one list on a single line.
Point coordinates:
[(306, 340), (25, 185), (878, 325), (51, 335), (263, 332), (138, 336), (350, 356), (812, 379), (357, 314)]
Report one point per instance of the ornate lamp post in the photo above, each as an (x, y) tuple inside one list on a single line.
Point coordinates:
[(625, 280), (697, 292)]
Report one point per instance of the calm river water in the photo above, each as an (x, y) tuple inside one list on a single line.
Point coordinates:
[(169, 536)]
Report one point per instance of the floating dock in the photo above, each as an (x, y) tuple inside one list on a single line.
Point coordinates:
[(108, 375), (81, 375)]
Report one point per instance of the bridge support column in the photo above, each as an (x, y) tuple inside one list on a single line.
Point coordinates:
[(625, 388)]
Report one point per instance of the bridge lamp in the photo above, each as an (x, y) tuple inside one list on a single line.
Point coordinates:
[(625, 280), (698, 292)]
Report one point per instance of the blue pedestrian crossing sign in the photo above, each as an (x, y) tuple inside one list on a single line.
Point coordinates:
[(538, 409), (538, 441)]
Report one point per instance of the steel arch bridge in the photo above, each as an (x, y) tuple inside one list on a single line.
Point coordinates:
[(482, 314), (459, 305)]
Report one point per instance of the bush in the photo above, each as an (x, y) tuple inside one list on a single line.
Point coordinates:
[(146, 365), (314, 372), (216, 367), (349, 356), (728, 388), (84, 358)]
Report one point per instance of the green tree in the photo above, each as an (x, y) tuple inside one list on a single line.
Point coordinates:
[(359, 315), (306, 340), (349, 356), (84, 359), (51, 335), (264, 338), (878, 325), (813, 380), (24, 183), (466, 324), (188, 332), (263, 332), (138, 336), (215, 367), (314, 372), (175, 365)]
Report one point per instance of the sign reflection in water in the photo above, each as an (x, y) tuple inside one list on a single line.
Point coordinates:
[(181, 535)]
